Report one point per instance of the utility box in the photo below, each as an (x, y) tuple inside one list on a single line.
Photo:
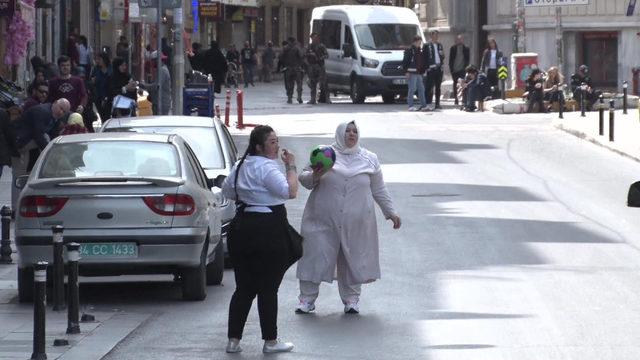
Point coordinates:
[(521, 66)]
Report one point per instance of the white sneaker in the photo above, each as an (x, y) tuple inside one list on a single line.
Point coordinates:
[(414, 108), (429, 107), (233, 346), (279, 346), (305, 307), (352, 308)]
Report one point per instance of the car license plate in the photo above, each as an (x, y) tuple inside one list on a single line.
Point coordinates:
[(400, 81), (97, 250)]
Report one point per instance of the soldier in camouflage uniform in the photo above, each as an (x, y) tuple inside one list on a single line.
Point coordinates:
[(292, 63), (315, 56)]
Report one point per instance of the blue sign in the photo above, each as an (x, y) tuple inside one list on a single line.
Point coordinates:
[(631, 8)]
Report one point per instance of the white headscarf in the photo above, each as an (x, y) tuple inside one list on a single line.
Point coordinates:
[(351, 161), (340, 145)]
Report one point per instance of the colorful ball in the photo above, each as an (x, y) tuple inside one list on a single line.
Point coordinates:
[(323, 157)]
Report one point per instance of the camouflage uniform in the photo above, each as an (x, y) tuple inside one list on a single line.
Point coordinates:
[(292, 60), (315, 56)]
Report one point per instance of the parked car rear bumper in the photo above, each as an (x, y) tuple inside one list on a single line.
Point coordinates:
[(173, 247)]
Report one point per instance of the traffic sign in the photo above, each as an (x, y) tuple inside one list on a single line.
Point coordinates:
[(503, 73)]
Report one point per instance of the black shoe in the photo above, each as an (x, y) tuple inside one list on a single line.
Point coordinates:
[(300, 100), (289, 101), (311, 102), (438, 107)]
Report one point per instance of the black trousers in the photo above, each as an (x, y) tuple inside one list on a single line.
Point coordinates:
[(535, 98), (433, 80), (259, 252), (492, 77), (457, 76)]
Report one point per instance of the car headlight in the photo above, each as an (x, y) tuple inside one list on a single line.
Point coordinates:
[(370, 63)]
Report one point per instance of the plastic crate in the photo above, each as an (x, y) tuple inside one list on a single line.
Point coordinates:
[(198, 99)]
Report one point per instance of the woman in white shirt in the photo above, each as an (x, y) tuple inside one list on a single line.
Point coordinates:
[(339, 222), (490, 62), (258, 237), (85, 55)]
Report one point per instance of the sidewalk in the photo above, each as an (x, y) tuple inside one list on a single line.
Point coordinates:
[(626, 130)]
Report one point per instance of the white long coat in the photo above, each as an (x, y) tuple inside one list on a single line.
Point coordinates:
[(339, 217)]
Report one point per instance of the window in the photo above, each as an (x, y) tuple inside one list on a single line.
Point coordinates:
[(111, 158), (348, 37), (386, 36), (203, 140), (329, 31), (201, 177)]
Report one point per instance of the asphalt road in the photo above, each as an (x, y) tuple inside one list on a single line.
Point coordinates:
[(516, 244)]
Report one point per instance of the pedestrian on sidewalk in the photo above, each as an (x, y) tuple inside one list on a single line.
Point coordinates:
[(474, 88), (6, 149), (459, 58), (553, 86), (292, 63), (339, 222), (535, 91), (315, 56), (214, 63), (435, 58), (489, 65), (85, 57), (68, 86), (31, 133), (248, 56), (258, 239), (268, 57), (39, 94), (100, 78), (414, 64)]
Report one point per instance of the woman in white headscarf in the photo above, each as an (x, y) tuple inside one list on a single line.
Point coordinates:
[(339, 222)]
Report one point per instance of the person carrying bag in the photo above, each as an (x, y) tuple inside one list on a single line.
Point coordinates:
[(259, 239)]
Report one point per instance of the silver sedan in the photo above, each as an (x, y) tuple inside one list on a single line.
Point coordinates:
[(209, 139), (137, 204)]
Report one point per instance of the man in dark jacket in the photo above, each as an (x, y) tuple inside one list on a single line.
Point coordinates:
[(248, 56), (39, 94), (582, 85), (413, 63), (33, 131), (292, 61), (458, 61), (215, 64), (268, 57), (435, 59)]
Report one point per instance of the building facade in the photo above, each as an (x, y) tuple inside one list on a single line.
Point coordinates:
[(598, 34)]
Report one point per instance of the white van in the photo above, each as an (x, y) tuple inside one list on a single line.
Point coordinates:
[(366, 45)]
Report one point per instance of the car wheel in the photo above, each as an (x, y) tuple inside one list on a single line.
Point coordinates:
[(194, 280), (215, 270), (25, 284), (389, 98), (357, 91)]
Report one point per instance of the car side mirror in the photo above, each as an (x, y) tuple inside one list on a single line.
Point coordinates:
[(218, 181), (21, 181), (633, 199)]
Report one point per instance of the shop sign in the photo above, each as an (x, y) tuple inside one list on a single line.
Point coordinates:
[(535, 3), (250, 3), (238, 16), (106, 10), (211, 11), (251, 12), (7, 7)]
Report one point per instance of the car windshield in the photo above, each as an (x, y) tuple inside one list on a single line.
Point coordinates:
[(203, 140), (386, 36), (110, 158)]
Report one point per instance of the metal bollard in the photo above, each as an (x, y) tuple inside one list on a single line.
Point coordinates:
[(582, 104), (560, 104), (39, 310), (601, 116), (240, 100), (5, 242), (625, 85), (612, 114), (227, 107), (73, 310), (58, 268)]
